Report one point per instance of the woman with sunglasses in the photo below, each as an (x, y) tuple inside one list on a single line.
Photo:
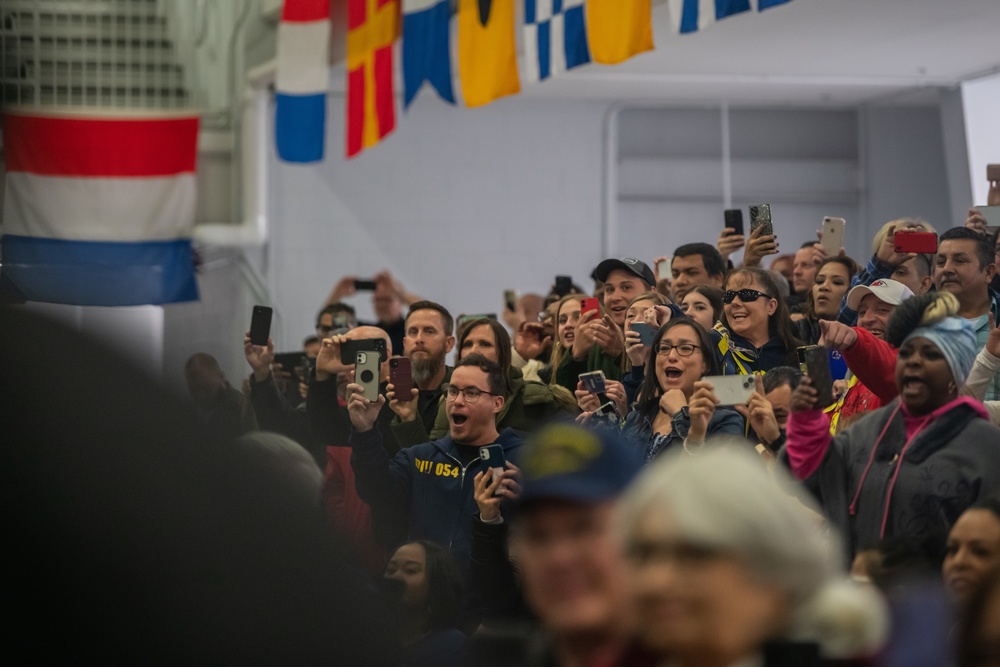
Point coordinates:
[(675, 407), (758, 332)]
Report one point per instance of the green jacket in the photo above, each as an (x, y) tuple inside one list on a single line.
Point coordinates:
[(527, 406), (568, 373)]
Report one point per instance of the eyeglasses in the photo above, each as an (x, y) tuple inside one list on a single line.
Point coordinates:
[(745, 295), (683, 350), (470, 394)]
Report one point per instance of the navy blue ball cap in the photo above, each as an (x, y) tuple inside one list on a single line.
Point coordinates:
[(634, 266), (565, 461)]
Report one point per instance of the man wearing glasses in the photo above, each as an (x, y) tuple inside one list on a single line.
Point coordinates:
[(427, 491)]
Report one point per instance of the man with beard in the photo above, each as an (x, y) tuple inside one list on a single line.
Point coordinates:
[(428, 340)]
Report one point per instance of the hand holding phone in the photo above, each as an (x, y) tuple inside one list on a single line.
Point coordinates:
[(495, 459), (760, 216), (594, 382), (733, 218), (646, 332), (732, 389), (833, 235), (364, 285), (401, 377), (588, 304), (350, 348), (817, 360)]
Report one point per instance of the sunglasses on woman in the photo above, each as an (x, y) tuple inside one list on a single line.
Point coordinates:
[(745, 295)]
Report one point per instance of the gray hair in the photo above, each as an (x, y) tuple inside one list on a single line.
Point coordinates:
[(725, 499)]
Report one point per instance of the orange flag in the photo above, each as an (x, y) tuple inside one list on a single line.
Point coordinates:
[(487, 52), (372, 27), (619, 29)]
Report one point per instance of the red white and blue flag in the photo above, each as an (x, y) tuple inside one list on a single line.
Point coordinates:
[(302, 79), (99, 209)]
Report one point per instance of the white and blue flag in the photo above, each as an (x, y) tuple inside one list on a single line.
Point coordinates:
[(555, 37), (694, 15)]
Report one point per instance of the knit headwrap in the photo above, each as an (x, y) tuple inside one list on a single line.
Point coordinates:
[(956, 340)]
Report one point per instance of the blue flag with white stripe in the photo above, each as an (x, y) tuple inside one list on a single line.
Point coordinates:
[(555, 37)]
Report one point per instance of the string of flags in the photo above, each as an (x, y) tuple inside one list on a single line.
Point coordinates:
[(557, 36)]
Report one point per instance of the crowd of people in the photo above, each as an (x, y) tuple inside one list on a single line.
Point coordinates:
[(717, 465)]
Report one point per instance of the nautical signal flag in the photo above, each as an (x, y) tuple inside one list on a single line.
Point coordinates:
[(99, 209), (372, 27), (555, 37), (619, 29), (694, 15), (302, 79), (487, 53), (426, 50)]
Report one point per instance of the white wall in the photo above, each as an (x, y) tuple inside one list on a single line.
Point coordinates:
[(459, 203), (981, 102)]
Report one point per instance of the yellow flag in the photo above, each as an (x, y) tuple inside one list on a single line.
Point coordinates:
[(619, 29), (487, 54)]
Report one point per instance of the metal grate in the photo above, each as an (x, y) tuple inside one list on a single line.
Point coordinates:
[(91, 53)]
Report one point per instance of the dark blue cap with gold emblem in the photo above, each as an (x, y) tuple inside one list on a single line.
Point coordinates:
[(567, 462)]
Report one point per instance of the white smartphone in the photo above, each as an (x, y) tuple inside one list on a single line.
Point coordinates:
[(663, 269), (366, 373), (992, 215), (732, 389), (833, 235)]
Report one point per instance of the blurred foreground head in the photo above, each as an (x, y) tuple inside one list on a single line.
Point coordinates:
[(131, 536)]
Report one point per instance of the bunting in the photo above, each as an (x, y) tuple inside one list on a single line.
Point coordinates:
[(302, 79), (693, 15), (619, 29), (487, 54), (426, 50), (372, 27), (555, 37), (99, 209)]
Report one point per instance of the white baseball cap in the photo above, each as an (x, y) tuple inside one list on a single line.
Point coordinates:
[(887, 291)]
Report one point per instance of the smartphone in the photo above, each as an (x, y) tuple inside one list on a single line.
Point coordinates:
[(918, 242), (993, 172), (663, 269), (510, 299), (590, 303), (646, 332), (401, 377), (291, 360), (260, 325), (760, 216), (495, 460), (366, 365), (564, 285), (734, 218), (833, 235), (992, 215), (732, 389), (594, 382), (818, 370), (364, 285), (350, 348), (609, 413)]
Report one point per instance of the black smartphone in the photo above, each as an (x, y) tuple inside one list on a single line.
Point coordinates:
[(760, 216), (564, 285), (646, 332), (818, 370), (291, 360), (350, 348), (364, 285), (734, 219), (260, 325), (401, 377), (510, 299)]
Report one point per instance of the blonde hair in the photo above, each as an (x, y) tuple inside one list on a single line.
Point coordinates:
[(558, 351), (943, 306), (900, 223)]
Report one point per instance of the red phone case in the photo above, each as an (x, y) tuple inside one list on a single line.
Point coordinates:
[(918, 242), (401, 377), (590, 303)]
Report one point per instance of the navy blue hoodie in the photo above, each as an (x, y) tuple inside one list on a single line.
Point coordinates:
[(424, 487)]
